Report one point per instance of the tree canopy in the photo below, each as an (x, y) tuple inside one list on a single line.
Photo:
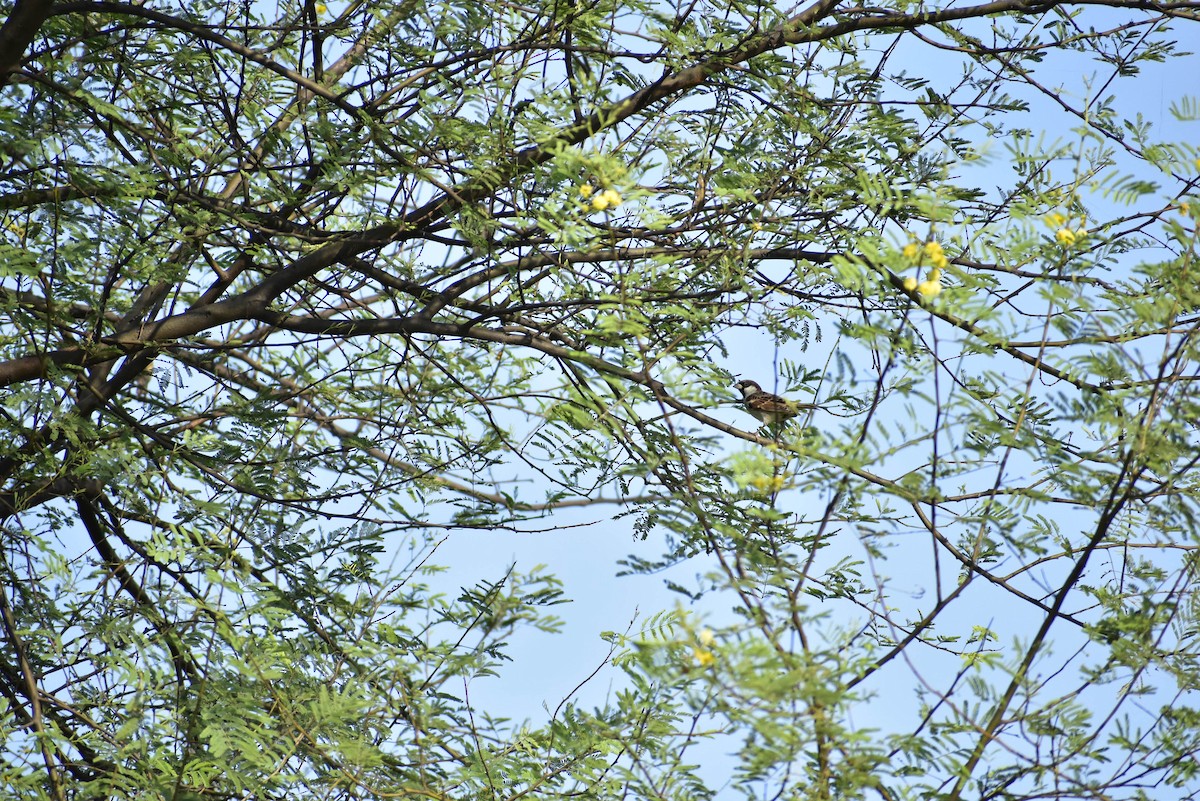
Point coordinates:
[(290, 293)]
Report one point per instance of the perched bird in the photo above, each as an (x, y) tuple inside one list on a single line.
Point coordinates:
[(766, 406)]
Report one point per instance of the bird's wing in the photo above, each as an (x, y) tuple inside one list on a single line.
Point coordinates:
[(766, 402)]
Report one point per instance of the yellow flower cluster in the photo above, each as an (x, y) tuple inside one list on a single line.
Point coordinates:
[(701, 653), (770, 484), (1065, 235), (930, 253), (606, 199)]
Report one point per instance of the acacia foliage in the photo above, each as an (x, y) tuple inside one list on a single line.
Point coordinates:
[(292, 291)]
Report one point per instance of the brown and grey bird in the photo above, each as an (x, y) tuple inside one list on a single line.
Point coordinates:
[(766, 406)]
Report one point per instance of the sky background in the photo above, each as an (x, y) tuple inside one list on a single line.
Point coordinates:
[(584, 547), (586, 556)]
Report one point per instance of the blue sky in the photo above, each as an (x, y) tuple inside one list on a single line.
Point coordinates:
[(585, 549), (546, 667)]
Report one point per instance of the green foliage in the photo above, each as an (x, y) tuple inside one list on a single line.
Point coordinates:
[(291, 296)]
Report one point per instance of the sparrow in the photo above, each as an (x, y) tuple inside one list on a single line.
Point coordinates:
[(768, 407)]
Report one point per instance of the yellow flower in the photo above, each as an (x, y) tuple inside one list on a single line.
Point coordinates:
[(1197, 163), (757, 226), (933, 249), (320, 8), (935, 274), (939, 260), (910, 284), (706, 637), (703, 657), (600, 202), (765, 483), (585, 191), (1184, 207), (1065, 236), (912, 251), (1054, 220), (929, 289), (613, 197)]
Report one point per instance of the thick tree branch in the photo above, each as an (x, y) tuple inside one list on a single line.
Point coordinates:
[(18, 32)]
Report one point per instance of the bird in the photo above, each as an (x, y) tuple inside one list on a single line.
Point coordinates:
[(766, 406)]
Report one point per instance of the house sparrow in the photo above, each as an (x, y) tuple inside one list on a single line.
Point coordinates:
[(767, 407)]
